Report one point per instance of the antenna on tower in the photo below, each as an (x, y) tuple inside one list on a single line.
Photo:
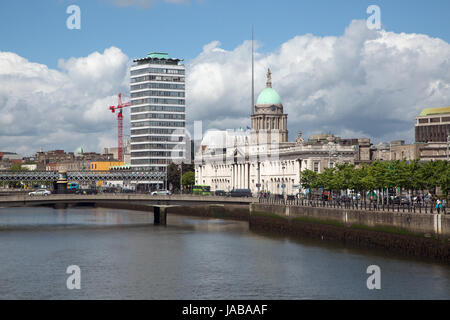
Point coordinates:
[(253, 75)]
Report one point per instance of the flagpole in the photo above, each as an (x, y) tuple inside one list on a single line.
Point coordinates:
[(253, 75)]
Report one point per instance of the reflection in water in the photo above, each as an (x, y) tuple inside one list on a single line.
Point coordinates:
[(122, 255)]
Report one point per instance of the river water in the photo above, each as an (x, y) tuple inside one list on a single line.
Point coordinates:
[(122, 255)]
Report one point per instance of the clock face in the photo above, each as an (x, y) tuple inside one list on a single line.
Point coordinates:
[(274, 108)]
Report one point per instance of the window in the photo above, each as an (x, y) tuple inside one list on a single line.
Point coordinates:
[(316, 166)]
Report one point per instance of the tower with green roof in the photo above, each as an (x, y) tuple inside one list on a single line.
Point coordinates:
[(268, 118)]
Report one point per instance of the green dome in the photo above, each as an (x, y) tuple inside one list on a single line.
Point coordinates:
[(269, 96)]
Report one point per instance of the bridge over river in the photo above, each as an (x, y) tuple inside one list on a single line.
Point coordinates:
[(157, 204), (81, 176)]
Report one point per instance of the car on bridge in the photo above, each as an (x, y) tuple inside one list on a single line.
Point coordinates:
[(39, 192), (161, 193), (241, 193), (220, 193)]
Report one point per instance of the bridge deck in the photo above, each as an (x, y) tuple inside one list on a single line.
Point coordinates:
[(19, 200)]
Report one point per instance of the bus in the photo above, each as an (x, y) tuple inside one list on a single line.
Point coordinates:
[(201, 190)]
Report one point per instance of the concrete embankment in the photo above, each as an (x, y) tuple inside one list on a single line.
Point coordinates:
[(229, 211), (418, 235)]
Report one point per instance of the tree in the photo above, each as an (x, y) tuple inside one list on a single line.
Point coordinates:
[(188, 179), (174, 172), (309, 180), (17, 167), (173, 176)]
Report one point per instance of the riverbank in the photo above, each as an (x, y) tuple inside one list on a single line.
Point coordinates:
[(422, 236), (418, 235)]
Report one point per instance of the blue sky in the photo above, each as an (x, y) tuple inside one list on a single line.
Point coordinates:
[(334, 75), (36, 30)]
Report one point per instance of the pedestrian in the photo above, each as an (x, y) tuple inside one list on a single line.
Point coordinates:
[(444, 206), (438, 206)]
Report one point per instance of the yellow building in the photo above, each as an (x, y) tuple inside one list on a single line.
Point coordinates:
[(104, 165)]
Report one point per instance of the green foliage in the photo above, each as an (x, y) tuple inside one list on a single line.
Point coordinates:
[(188, 178), (381, 175), (17, 167), (174, 172), (308, 179)]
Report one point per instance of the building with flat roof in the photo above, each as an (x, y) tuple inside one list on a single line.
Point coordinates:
[(158, 113), (433, 125), (432, 130)]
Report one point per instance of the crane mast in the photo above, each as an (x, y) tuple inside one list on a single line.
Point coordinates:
[(119, 107)]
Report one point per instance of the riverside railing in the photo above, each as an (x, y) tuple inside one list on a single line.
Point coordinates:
[(356, 205)]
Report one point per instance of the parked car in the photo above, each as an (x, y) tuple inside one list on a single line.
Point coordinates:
[(128, 190), (402, 200), (87, 191), (220, 193), (161, 193), (39, 192), (241, 193)]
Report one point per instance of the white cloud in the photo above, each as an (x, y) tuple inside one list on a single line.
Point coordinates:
[(363, 83), (60, 109), (367, 83)]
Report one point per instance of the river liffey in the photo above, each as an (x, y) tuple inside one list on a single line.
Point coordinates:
[(122, 255)]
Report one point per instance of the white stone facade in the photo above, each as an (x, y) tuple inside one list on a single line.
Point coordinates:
[(262, 159)]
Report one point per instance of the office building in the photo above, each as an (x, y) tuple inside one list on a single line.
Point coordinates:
[(157, 87)]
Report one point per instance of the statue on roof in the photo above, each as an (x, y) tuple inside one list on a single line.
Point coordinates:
[(300, 139), (269, 78)]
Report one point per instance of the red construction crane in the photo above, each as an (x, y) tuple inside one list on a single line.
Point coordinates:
[(119, 108)]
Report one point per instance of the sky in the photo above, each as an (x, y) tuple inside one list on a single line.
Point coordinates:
[(332, 72)]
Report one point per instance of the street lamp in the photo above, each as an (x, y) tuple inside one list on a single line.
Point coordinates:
[(283, 185), (181, 178), (167, 167)]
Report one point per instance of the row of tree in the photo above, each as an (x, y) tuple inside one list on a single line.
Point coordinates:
[(380, 176)]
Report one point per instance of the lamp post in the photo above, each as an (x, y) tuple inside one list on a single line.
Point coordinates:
[(283, 186), (181, 178), (167, 167)]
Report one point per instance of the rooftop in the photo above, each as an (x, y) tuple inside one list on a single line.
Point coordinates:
[(432, 111), (158, 56)]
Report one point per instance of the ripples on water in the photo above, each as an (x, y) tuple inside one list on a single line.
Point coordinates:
[(122, 255)]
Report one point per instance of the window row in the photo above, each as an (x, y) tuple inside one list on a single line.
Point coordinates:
[(176, 116), (157, 108), (158, 100), (150, 161), (158, 94), (157, 124), (157, 78), (173, 86), (157, 139), (153, 146), (157, 131), (157, 70), (157, 154)]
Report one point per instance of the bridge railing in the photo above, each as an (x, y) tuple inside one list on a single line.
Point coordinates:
[(419, 207), (82, 175)]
